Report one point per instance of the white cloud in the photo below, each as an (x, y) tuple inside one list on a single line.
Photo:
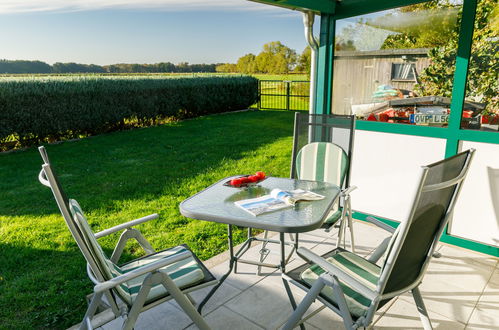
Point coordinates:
[(22, 6)]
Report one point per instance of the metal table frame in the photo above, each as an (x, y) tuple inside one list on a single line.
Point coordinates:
[(216, 203)]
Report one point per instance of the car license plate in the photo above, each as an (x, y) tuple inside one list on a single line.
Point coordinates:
[(422, 119)]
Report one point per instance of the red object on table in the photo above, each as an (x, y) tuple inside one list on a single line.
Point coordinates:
[(253, 178), (236, 182), (246, 180)]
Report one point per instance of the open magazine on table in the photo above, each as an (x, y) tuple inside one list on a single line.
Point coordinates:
[(278, 199)]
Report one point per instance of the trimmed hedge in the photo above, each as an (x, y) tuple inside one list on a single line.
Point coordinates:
[(34, 110)]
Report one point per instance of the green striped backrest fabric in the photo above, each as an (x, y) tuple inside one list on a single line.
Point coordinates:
[(322, 161), (107, 268)]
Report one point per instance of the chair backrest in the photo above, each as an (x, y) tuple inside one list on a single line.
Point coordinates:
[(336, 129), (322, 161), (414, 241), (63, 201), (48, 178)]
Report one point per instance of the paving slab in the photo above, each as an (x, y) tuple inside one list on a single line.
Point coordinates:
[(404, 315), (486, 312), (224, 318)]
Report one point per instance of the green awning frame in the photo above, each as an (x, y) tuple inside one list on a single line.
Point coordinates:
[(317, 6)]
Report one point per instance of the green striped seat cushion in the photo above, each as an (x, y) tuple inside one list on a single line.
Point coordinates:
[(184, 273), (323, 161), (358, 268)]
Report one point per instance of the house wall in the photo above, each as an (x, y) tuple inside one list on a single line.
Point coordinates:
[(358, 74)]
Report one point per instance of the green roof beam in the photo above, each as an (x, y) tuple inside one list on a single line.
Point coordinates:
[(351, 8), (318, 6)]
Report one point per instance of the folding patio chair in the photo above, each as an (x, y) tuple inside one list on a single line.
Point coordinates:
[(135, 286), (322, 151), (355, 287)]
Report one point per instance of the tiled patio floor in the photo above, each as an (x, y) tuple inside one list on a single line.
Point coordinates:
[(460, 290)]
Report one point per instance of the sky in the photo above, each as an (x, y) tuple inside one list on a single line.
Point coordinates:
[(143, 31)]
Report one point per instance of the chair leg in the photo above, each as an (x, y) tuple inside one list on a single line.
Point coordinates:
[(125, 236), (350, 225), (341, 301), (120, 246), (143, 242), (308, 300), (340, 232), (423, 314), (146, 286), (92, 308), (291, 298), (183, 302), (112, 302), (193, 302)]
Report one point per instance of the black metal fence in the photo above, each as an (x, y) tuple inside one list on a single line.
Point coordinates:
[(284, 95)]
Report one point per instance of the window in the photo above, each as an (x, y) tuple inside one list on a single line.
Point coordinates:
[(481, 109), (403, 72), (386, 62)]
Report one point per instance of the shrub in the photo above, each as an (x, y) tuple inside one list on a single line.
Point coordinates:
[(34, 110)]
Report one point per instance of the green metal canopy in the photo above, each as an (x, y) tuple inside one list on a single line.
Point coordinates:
[(318, 6), (340, 9)]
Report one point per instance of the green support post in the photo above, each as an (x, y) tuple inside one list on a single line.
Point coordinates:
[(460, 76), (458, 97), (325, 62)]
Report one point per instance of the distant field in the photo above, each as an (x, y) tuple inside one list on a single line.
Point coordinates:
[(290, 77), (176, 75), (110, 75)]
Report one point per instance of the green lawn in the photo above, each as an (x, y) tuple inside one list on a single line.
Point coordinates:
[(118, 177)]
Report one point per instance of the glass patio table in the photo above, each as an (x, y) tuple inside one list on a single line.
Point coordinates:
[(216, 203)]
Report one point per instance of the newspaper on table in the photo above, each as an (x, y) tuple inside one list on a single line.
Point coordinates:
[(278, 199)]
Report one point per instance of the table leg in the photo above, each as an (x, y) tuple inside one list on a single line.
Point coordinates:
[(232, 262), (283, 253), (250, 235)]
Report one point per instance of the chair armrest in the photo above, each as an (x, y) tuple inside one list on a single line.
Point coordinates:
[(341, 275), (126, 225), (348, 190), (380, 224), (103, 286), (43, 178), (380, 250)]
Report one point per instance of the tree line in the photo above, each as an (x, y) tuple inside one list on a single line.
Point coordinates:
[(274, 58), (27, 67)]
